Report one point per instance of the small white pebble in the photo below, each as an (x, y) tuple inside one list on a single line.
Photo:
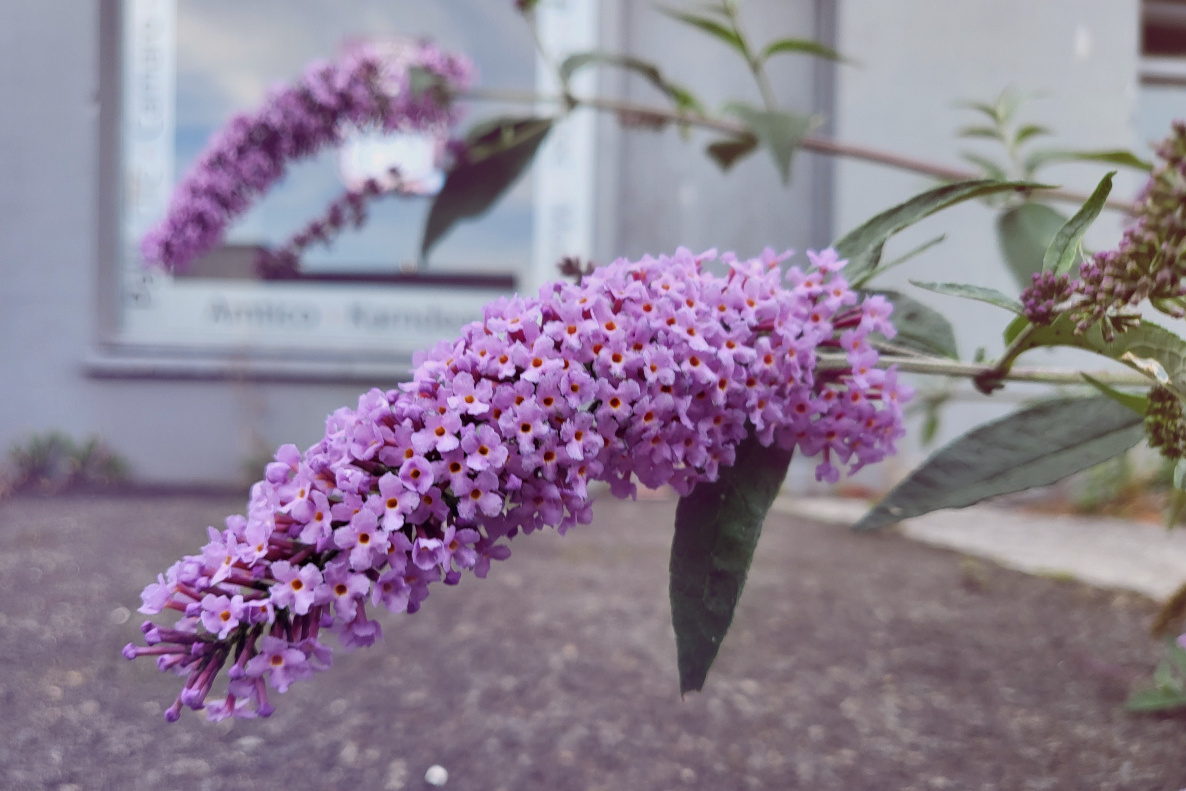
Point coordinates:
[(436, 775), (248, 743)]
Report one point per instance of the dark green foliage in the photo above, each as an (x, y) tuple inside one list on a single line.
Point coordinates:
[(978, 293), (716, 529), (499, 152), (1035, 446), (778, 132), (863, 246), (1168, 690), (680, 96), (1064, 249), (920, 327), (1024, 232)]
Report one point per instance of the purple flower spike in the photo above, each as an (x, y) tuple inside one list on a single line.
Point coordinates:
[(651, 372), (252, 152)]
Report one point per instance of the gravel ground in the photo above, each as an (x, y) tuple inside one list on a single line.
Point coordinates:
[(855, 662)]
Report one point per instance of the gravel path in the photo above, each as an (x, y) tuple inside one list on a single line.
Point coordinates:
[(856, 662)]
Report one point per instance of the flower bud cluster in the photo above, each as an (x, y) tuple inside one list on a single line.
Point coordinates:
[(250, 154), (651, 371), (1046, 296), (1149, 264), (1164, 424)]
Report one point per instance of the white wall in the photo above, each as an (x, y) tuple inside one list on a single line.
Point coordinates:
[(919, 58), (177, 431)]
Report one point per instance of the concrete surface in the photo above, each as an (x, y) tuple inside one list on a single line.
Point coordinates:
[(1109, 553)]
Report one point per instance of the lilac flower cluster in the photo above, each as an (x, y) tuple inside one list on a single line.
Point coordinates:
[(411, 90), (1149, 263), (653, 371)]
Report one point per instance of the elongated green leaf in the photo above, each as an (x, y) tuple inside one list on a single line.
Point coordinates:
[(578, 60), (1023, 234), (1150, 700), (1000, 111), (681, 96), (778, 132), (987, 110), (989, 132), (1147, 348), (717, 30), (1119, 157), (1137, 403), (1026, 131), (804, 46), (862, 246), (1033, 447), (920, 327), (1064, 250), (726, 153), (869, 274), (499, 153), (716, 529), (1169, 683), (980, 293)]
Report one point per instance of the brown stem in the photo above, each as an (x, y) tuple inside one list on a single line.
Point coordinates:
[(820, 145)]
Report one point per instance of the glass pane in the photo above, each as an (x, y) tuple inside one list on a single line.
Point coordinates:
[(229, 53), (190, 65)]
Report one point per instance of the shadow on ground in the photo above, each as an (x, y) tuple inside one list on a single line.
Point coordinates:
[(856, 662)]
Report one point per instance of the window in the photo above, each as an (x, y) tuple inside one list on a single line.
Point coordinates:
[(187, 65), (1163, 68)]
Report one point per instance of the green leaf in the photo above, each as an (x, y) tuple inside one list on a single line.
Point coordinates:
[(988, 110), (716, 529), (1027, 131), (779, 132), (804, 46), (862, 246), (1119, 157), (1001, 111), (1024, 233), (861, 280), (1147, 348), (1137, 403), (717, 30), (991, 169), (499, 153), (1064, 250), (681, 96), (930, 425), (1032, 447), (726, 153), (575, 62), (990, 132), (980, 293), (920, 327), (1148, 700)]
